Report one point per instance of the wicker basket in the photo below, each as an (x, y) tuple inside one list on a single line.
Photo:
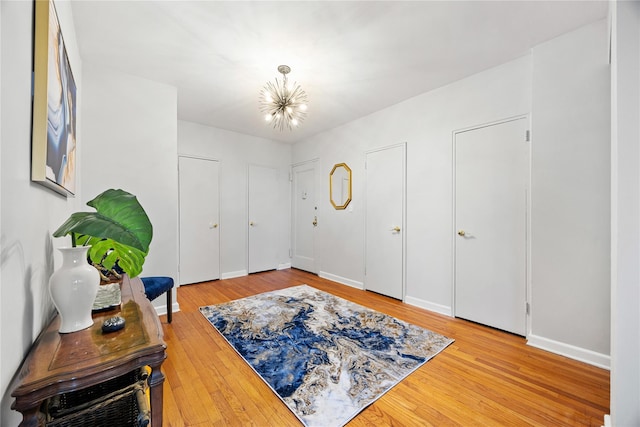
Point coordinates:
[(120, 402)]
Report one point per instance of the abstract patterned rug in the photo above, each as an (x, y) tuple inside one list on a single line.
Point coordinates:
[(325, 357)]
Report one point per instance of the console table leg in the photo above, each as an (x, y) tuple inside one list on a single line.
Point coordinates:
[(156, 380), (32, 418)]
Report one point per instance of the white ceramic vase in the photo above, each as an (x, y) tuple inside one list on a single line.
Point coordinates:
[(73, 289)]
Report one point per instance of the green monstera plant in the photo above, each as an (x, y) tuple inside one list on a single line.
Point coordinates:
[(119, 233)]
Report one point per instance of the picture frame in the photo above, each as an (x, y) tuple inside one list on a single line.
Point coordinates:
[(53, 141)]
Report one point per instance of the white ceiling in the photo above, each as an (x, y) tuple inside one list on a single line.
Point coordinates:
[(351, 57)]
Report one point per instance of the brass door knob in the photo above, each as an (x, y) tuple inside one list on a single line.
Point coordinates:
[(396, 229), (315, 221), (461, 233)]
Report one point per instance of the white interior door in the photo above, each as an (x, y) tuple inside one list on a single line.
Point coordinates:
[(384, 217), (491, 176), (263, 218), (199, 213), (305, 217)]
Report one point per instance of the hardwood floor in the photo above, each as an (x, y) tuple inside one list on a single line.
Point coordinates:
[(486, 377)]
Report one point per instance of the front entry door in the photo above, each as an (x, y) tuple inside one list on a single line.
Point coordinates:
[(305, 217), (491, 176), (263, 218), (384, 218), (199, 213)]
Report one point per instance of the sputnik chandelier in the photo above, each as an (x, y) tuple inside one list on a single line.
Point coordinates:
[(283, 105)]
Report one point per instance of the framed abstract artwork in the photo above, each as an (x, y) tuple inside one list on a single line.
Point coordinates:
[(53, 144)]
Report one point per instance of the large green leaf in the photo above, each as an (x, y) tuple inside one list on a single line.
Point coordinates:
[(119, 217), (106, 253)]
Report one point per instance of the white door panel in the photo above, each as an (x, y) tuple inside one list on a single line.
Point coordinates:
[(199, 213), (305, 217), (384, 218), (263, 218), (491, 173)]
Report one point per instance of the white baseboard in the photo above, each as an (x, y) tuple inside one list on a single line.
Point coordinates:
[(431, 306), (234, 274), (583, 355), (342, 280), (242, 273), (161, 310)]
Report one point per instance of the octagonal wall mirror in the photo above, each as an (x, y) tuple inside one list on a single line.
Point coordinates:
[(340, 186)]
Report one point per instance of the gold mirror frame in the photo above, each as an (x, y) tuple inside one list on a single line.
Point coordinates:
[(341, 173)]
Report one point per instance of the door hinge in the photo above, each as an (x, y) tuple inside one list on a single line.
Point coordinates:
[(290, 253), (290, 176), (527, 136), (528, 308)]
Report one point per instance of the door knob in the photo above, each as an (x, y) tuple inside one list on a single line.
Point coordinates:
[(396, 229), (315, 221), (461, 233)]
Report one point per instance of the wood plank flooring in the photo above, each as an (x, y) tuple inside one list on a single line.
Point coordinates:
[(485, 378)]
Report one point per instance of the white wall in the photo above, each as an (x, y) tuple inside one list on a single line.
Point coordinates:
[(130, 129), (625, 227), (2, 381), (236, 152), (30, 212), (570, 194), (426, 123)]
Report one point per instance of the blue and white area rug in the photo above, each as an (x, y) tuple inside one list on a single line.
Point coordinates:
[(325, 357)]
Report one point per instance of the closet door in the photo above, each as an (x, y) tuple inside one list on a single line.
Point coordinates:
[(385, 221), (199, 213), (263, 219), (491, 172)]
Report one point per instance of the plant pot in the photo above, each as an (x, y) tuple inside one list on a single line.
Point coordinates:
[(73, 289)]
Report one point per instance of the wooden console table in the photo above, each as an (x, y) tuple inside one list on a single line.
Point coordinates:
[(62, 363)]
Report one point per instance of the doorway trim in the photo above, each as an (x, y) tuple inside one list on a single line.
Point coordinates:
[(529, 139)]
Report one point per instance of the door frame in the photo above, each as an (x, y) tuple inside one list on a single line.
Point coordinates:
[(316, 162), (211, 159), (403, 145), (527, 308)]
